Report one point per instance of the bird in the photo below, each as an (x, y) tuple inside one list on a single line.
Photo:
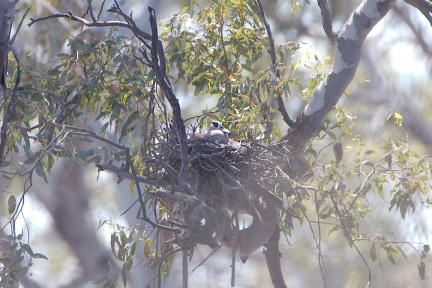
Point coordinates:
[(216, 134)]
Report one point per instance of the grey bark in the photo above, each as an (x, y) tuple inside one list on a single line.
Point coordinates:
[(349, 44)]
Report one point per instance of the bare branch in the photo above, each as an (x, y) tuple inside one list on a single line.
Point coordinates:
[(272, 52), (167, 88), (83, 21), (127, 175), (19, 26)]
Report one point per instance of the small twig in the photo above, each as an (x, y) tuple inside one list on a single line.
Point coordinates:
[(205, 259), (318, 243), (83, 21), (320, 256), (90, 8), (361, 188), (350, 239), (85, 132), (124, 174), (12, 40), (100, 10), (42, 91)]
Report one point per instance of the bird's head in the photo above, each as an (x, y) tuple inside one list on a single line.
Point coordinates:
[(216, 125)]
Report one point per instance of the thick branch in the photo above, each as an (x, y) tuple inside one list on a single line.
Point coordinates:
[(419, 35), (273, 256), (169, 93), (7, 12), (347, 57), (327, 20), (9, 112), (424, 6)]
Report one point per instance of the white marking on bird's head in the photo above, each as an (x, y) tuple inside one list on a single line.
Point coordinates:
[(216, 125)]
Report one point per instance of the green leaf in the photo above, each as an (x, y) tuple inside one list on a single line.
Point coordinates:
[(132, 250), (338, 151), (126, 267), (29, 154), (41, 172), (147, 244), (28, 249), (11, 204), (422, 270), (81, 157), (113, 243), (311, 86), (39, 256), (402, 252), (150, 76), (126, 129), (368, 163), (50, 162), (426, 249), (104, 127)]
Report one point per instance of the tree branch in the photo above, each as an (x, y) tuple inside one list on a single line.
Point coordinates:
[(419, 35), (273, 255), (347, 57), (424, 6), (9, 112), (272, 52), (327, 20), (129, 24), (178, 121)]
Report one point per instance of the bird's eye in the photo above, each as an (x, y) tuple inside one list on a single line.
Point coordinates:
[(215, 124)]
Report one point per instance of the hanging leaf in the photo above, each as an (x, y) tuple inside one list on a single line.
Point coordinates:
[(11, 204), (338, 151)]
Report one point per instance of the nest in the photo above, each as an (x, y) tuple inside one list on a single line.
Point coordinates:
[(238, 177)]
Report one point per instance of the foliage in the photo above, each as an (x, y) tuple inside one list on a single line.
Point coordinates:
[(107, 82), (15, 260), (223, 51)]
